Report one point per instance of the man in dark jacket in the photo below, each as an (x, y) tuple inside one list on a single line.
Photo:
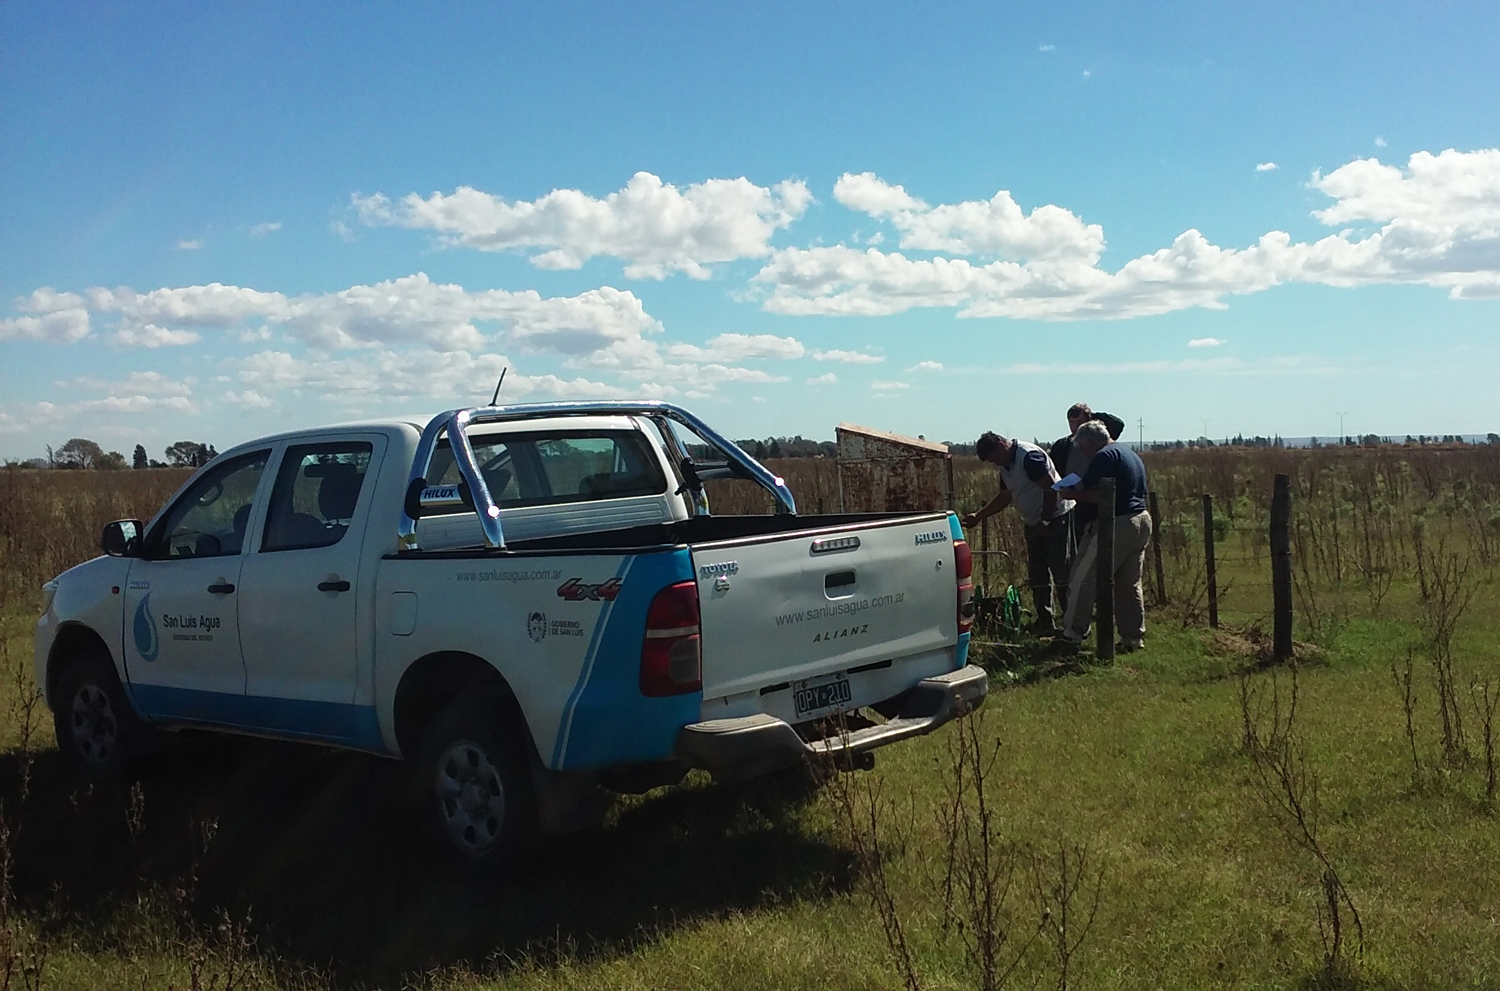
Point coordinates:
[(1065, 456)]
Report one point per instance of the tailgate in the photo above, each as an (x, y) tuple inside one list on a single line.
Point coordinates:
[(794, 606)]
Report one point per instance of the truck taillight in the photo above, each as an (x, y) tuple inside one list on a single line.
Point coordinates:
[(671, 651), (963, 567)]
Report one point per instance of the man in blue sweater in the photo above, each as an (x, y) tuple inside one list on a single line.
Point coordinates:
[(1107, 459)]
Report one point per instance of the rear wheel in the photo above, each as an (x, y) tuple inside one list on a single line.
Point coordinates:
[(473, 781)]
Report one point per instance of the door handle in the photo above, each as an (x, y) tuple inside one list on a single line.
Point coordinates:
[(338, 586), (221, 588)]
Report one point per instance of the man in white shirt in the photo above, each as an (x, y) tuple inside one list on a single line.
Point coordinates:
[(1027, 476)]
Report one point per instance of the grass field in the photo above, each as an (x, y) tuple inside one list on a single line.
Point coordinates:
[(285, 866)]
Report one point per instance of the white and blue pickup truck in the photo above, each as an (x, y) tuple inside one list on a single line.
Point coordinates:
[(532, 603)]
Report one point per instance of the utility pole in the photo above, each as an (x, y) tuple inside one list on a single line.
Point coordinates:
[(1341, 428), (1140, 434)]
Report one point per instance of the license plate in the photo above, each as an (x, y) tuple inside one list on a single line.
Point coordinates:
[(811, 698)]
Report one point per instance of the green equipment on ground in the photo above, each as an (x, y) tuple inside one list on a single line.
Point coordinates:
[(1010, 612)]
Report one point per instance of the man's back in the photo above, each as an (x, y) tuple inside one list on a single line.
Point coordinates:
[(1119, 462)]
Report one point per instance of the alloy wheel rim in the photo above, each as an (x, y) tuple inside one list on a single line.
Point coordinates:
[(96, 729), (470, 798)]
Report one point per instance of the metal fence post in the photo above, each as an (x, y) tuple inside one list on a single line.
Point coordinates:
[(984, 546), (1161, 582), (1208, 560), (1104, 580), (1281, 568)]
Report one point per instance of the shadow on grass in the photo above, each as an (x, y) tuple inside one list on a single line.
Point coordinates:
[(317, 847)]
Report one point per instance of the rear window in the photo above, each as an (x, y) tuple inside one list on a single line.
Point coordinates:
[(543, 469)]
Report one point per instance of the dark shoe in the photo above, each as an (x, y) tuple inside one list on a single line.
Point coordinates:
[(1064, 647), (1044, 631), (1129, 646)]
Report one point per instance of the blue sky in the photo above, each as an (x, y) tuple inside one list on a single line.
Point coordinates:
[(222, 220)]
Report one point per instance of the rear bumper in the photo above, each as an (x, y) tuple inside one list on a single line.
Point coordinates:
[(750, 745)]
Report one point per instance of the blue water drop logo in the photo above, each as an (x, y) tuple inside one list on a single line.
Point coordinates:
[(147, 643)]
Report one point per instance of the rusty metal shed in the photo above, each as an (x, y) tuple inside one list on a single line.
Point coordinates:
[(885, 472)]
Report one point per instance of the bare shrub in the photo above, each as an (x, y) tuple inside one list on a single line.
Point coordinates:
[(1486, 698), (23, 953), (1402, 673), (1288, 790), (981, 868), (1067, 889), (1445, 587), (862, 809)]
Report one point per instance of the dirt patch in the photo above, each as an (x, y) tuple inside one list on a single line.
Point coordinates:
[(1254, 646)]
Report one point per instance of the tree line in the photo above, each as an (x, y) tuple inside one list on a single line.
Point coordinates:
[(82, 454)]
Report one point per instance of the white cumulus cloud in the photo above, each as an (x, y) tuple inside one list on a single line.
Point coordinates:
[(447, 376), (739, 347), (261, 230), (654, 227), (1266, 167), (149, 335), (1205, 342), (926, 366), (848, 357), (996, 226), (827, 378), (1436, 222), (189, 245)]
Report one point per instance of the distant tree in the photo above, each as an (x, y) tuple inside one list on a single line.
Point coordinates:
[(113, 461), (190, 454), (139, 459), (79, 452), (1492, 438)]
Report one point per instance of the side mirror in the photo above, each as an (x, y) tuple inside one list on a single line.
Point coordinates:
[(122, 538)]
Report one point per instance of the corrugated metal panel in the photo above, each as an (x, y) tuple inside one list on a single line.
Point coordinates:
[(886, 472)]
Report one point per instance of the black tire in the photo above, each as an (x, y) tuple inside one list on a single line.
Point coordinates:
[(97, 731), (472, 783)]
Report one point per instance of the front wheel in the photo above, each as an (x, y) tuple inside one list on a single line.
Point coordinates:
[(93, 722), (474, 783)]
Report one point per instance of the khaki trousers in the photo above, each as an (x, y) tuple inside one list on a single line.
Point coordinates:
[(1132, 534)]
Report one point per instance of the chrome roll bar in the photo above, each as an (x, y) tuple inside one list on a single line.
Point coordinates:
[(478, 496)]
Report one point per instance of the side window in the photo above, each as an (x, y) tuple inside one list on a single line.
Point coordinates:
[(211, 517), (317, 488)]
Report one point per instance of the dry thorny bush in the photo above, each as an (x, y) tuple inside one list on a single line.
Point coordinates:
[(1002, 898), (220, 959), (1287, 788), (23, 954)]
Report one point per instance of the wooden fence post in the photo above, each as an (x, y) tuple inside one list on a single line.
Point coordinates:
[(1104, 575), (1161, 582), (1281, 568), (1208, 560)]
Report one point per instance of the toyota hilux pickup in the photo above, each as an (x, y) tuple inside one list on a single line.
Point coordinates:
[(534, 604)]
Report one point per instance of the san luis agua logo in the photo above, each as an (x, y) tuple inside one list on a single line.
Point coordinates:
[(147, 643)]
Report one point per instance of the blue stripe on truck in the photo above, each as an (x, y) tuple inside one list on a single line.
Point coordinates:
[(565, 727), (608, 720)]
